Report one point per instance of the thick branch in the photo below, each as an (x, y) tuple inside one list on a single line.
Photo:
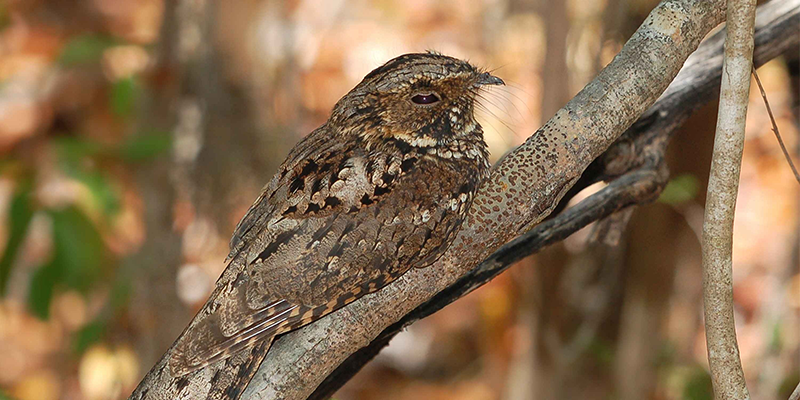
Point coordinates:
[(723, 186)]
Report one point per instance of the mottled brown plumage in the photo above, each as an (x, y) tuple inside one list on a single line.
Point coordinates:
[(380, 188)]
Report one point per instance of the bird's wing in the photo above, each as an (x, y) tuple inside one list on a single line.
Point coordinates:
[(330, 227)]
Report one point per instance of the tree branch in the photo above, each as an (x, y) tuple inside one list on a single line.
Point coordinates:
[(796, 393), (723, 186)]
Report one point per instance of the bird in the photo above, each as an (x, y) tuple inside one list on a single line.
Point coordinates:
[(380, 188)]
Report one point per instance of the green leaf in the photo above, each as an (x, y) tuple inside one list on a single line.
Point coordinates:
[(72, 151), (680, 189), (42, 287), (88, 335), (79, 248), (85, 49), (142, 146), (19, 217), (123, 96), (698, 386), (78, 255), (102, 190), (146, 145)]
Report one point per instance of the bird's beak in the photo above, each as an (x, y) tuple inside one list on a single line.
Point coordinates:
[(489, 79)]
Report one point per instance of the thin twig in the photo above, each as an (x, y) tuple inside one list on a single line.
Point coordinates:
[(796, 394), (775, 127), (723, 186)]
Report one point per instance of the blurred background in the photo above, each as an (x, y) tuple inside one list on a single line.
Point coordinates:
[(135, 133)]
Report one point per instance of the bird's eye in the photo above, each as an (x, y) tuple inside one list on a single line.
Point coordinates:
[(425, 98)]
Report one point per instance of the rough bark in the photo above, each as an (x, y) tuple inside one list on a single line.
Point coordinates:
[(723, 186)]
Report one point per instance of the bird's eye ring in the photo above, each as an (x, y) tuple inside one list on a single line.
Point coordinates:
[(425, 98)]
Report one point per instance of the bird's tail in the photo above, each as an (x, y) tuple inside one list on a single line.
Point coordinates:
[(238, 371), (224, 380)]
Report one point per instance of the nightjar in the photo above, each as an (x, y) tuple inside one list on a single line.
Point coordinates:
[(380, 188)]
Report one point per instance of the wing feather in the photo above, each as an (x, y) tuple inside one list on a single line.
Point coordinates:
[(265, 328)]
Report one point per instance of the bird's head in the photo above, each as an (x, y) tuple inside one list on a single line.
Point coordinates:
[(422, 99)]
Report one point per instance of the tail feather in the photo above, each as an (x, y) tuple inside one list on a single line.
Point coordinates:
[(246, 338), (213, 345), (239, 370)]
